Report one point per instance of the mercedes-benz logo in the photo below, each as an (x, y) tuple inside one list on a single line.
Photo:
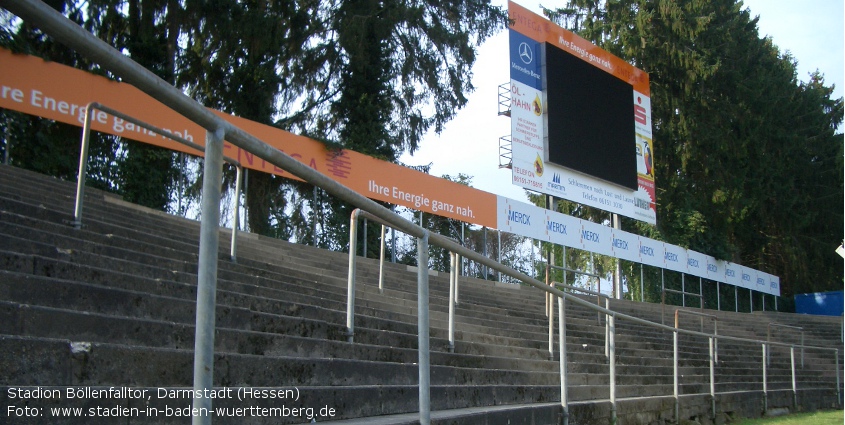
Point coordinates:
[(525, 53)]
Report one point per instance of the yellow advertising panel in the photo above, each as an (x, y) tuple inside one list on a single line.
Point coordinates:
[(34, 86)]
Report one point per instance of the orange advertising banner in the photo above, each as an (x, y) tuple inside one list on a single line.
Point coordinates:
[(542, 30), (34, 86)]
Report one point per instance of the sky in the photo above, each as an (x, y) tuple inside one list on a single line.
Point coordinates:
[(811, 31)]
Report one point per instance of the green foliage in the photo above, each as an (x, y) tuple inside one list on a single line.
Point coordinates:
[(748, 159), (372, 76)]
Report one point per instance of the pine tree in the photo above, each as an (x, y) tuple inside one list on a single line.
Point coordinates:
[(748, 161)]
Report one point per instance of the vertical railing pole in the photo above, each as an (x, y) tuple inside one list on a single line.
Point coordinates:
[(716, 338), (794, 386), (381, 263), (236, 214), (458, 279), (207, 274), (606, 330), (564, 397), (499, 252), (350, 284), (750, 301), (675, 371), (765, 382), (453, 277), (612, 363), (838, 393), (423, 330), (548, 283), (718, 297), (551, 327), (82, 173), (713, 376), (314, 219)]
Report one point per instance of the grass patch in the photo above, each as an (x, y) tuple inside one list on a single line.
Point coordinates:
[(833, 417)]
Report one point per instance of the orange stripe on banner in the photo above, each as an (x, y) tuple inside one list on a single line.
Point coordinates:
[(31, 85), (541, 29)]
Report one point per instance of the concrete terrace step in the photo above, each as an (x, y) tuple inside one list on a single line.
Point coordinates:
[(113, 304)]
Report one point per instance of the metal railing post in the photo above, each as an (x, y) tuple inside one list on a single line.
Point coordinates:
[(712, 376), (364, 254), (611, 318), (675, 371), (564, 397), (458, 279), (794, 387), (838, 391), (82, 173), (381, 262), (236, 218), (718, 297), (423, 330), (765, 382), (769, 338), (548, 282), (551, 311), (350, 284), (716, 339), (85, 142), (606, 331), (453, 277), (207, 274)]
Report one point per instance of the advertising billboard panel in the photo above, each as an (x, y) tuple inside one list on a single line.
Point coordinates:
[(47, 89), (580, 120)]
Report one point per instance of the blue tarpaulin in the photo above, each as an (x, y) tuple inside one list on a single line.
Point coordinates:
[(820, 303)]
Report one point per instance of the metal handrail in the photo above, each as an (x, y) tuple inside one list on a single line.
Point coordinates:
[(82, 173), (663, 292), (778, 325), (454, 275), (713, 317), (565, 269), (70, 34)]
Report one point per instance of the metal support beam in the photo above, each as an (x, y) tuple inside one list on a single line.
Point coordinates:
[(611, 319), (453, 280), (236, 218), (617, 275), (207, 274), (794, 387), (350, 284), (712, 376), (675, 392), (381, 262), (551, 311), (424, 355), (564, 396), (765, 382)]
